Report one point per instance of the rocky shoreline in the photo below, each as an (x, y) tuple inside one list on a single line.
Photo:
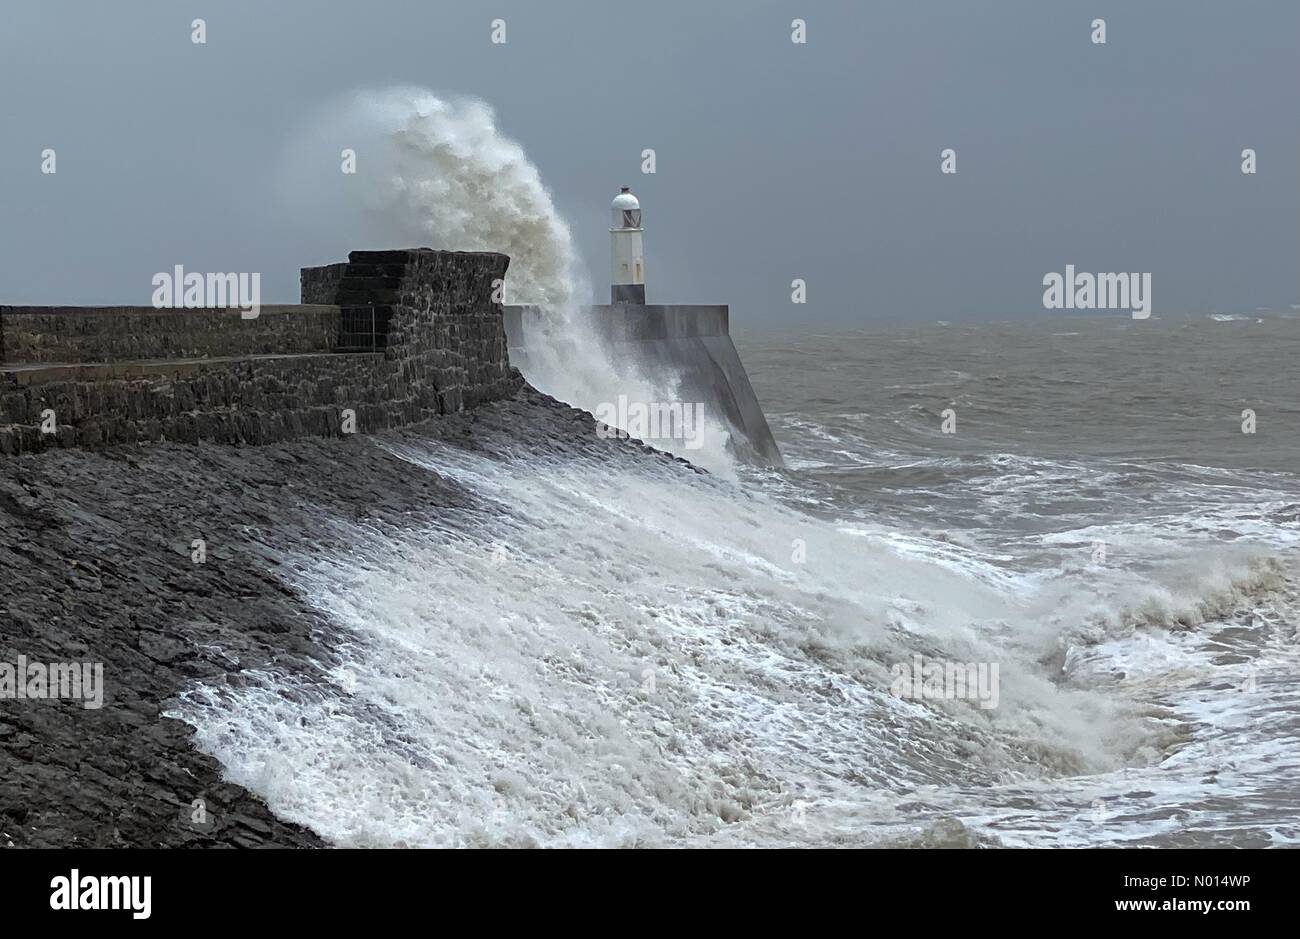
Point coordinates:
[(160, 562)]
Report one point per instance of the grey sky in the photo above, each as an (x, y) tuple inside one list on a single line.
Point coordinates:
[(775, 160)]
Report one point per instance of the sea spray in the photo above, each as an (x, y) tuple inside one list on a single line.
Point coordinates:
[(598, 646), (438, 172), (643, 664)]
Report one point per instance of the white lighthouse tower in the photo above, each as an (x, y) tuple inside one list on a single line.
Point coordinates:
[(627, 268)]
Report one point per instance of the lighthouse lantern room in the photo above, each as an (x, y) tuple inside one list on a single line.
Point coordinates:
[(627, 271)]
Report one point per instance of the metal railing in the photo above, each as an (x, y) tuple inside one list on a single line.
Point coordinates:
[(360, 329)]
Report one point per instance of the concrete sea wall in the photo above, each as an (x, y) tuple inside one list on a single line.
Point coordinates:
[(387, 338), (689, 341)]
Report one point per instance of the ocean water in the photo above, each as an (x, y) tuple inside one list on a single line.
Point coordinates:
[(1099, 471), (624, 652), (627, 653)]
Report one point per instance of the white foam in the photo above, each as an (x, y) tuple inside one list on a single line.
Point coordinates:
[(508, 698)]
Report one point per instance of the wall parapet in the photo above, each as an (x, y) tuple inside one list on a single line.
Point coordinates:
[(130, 374), (433, 316), (69, 334)]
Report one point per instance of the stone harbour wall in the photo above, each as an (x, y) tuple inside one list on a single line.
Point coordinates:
[(122, 334), (432, 314), (234, 401), (405, 335)]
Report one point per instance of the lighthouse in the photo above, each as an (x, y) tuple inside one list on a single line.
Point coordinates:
[(627, 260), (691, 341)]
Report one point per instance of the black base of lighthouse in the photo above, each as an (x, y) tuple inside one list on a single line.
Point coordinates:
[(627, 293)]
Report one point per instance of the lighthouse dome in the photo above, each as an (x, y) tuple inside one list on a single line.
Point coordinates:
[(626, 210)]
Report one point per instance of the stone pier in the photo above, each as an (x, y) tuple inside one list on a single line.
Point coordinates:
[(387, 337)]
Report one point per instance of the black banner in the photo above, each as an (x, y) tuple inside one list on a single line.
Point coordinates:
[(297, 888)]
